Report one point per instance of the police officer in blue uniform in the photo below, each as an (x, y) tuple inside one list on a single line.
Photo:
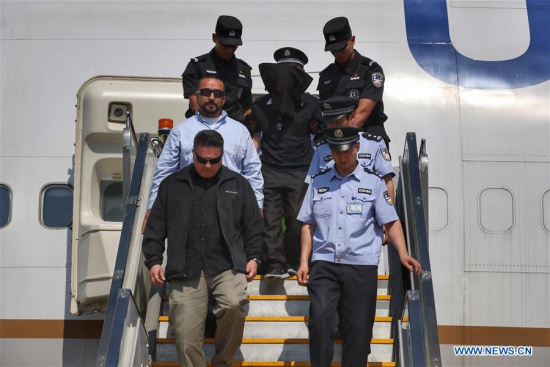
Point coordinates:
[(373, 153), (285, 116), (355, 76), (343, 213), (221, 60)]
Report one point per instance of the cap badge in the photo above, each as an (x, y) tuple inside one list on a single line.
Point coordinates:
[(327, 106), (232, 33), (332, 38), (338, 133), (287, 53)]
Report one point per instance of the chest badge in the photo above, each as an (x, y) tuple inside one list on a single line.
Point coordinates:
[(211, 71), (327, 81), (377, 79), (354, 93), (364, 156), (364, 191), (328, 158), (355, 77), (322, 190)]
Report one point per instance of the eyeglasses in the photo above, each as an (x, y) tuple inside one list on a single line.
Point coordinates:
[(206, 92), (203, 160)]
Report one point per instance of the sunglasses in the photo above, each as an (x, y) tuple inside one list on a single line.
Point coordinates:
[(206, 92), (202, 160)]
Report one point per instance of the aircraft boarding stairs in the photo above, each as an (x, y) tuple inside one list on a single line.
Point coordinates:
[(136, 329)]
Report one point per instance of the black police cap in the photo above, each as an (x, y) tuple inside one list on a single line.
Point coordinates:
[(337, 33), (336, 107), (229, 30), (342, 138), (290, 54)]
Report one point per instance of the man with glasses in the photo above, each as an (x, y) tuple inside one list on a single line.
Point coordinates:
[(355, 76), (208, 214), (221, 61), (239, 153)]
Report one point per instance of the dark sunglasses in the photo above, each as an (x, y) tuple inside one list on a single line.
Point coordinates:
[(206, 92), (202, 160)]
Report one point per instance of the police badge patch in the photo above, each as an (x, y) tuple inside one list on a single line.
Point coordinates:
[(388, 198), (354, 93), (386, 154), (377, 80), (364, 155), (364, 191), (322, 190)]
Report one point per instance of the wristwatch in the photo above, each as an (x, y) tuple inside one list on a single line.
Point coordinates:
[(257, 260)]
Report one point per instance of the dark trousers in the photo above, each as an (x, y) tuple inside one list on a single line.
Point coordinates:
[(347, 292), (283, 195)]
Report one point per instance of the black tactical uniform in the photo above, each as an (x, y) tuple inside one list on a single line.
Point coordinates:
[(361, 78), (234, 73)]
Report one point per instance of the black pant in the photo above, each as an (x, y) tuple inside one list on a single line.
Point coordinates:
[(283, 195), (344, 291)]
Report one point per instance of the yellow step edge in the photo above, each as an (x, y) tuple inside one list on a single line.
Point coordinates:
[(273, 364), (274, 341), (282, 319), (261, 277), (255, 297)]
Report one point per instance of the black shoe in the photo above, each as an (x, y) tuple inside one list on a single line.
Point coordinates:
[(276, 271), (291, 270)]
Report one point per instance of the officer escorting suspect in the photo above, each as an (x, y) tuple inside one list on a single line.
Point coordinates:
[(353, 75), (343, 213), (221, 60)]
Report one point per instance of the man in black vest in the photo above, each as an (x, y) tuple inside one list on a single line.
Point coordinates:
[(353, 75), (209, 215), (285, 116), (221, 60)]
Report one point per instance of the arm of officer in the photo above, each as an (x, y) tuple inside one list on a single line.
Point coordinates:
[(395, 233), (193, 102), (390, 186), (306, 241), (363, 112)]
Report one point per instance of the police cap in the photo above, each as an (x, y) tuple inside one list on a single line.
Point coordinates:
[(229, 30), (342, 138), (335, 108), (290, 54), (337, 33)]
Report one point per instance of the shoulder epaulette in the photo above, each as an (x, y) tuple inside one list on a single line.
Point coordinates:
[(367, 61), (318, 143), (372, 137), (321, 173), (368, 170), (199, 58), (245, 64)]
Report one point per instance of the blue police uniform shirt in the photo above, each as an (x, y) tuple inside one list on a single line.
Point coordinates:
[(372, 154), (239, 152), (349, 213)]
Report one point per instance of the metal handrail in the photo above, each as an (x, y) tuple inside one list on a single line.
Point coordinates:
[(109, 346), (412, 209)]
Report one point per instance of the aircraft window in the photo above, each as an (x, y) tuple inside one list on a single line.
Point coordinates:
[(5, 205), (112, 208), (56, 206)]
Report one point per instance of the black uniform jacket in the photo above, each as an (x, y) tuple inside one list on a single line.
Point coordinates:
[(238, 214)]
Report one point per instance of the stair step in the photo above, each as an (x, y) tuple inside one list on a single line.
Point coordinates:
[(273, 364), (269, 350), (281, 327)]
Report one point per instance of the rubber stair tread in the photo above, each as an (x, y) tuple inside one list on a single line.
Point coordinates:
[(273, 364), (283, 319), (295, 297), (274, 341)]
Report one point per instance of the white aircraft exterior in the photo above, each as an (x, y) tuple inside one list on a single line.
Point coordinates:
[(472, 77)]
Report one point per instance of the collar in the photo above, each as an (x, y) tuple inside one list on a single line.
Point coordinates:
[(217, 59), (350, 68), (201, 120), (224, 174), (356, 174)]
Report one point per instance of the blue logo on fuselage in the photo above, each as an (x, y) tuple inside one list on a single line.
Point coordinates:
[(430, 44)]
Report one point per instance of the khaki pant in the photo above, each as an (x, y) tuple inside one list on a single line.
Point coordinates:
[(188, 307)]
